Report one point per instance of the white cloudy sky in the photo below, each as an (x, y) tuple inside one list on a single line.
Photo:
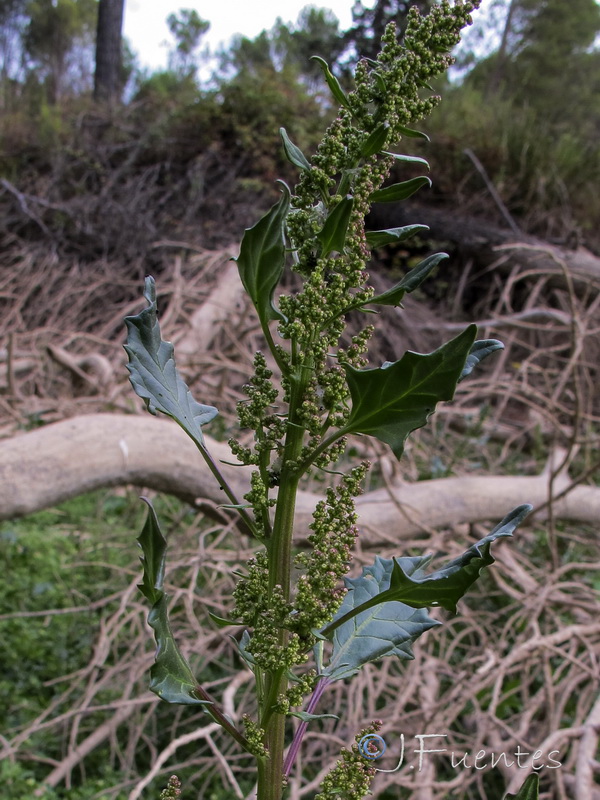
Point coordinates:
[(146, 28)]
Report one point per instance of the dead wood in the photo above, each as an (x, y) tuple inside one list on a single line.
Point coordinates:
[(47, 466)]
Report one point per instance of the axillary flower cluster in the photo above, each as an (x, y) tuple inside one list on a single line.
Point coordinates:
[(351, 163)]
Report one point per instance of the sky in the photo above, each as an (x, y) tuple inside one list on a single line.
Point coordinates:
[(146, 28)]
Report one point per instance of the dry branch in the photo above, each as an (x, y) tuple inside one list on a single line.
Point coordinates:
[(47, 466)]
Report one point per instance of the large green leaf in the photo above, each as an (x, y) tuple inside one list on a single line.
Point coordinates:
[(262, 257), (333, 234), (393, 235), (392, 401), (404, 580), (153, 373), (389, 629), (170, 676), (400, 191), (332, 82), (530, 790)]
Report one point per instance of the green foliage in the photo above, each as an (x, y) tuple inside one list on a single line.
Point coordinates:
[(188, 28), (54, 32), (392, 401), (170, 677), (529, 790), (328, 395), (154, 375)]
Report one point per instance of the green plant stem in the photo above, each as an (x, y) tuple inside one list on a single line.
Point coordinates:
[(270, 781)]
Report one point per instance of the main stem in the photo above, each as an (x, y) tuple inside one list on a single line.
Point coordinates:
[(271, 775)]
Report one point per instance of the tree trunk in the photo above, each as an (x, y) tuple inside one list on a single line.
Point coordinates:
[(107, 78)]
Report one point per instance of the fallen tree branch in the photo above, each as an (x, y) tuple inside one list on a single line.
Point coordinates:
[(44, 467)]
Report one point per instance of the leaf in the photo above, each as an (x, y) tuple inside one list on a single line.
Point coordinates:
[(407, 159), (412, 134), (530, 790), (305, 717), (153, 373), (170, 676), (399, 191), (446, 586), (404, 580), (333, 234), (392, 401), (223, 622), (411, 281), (262, 258), (415, 277), (480, 350), (380, 238), (332, 82), (375, 141), (387, 630), (292, 152)]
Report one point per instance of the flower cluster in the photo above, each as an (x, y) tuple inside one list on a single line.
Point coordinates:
[(318, 591), (172, 790), (351, 777)]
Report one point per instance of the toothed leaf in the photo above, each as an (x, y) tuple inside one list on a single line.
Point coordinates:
[(170, 676), (153, 373), (405, 582), (389, 629), (392, 401)]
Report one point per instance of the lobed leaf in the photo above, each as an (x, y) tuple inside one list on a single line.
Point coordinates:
[(480, 350), (404, 581), (153, 373), (399, 191), (170, 676), (446, 586), (292, 152), (333, 234), (530, 790), (392, 401), (262, 258), (332, 82), (389, 629)]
